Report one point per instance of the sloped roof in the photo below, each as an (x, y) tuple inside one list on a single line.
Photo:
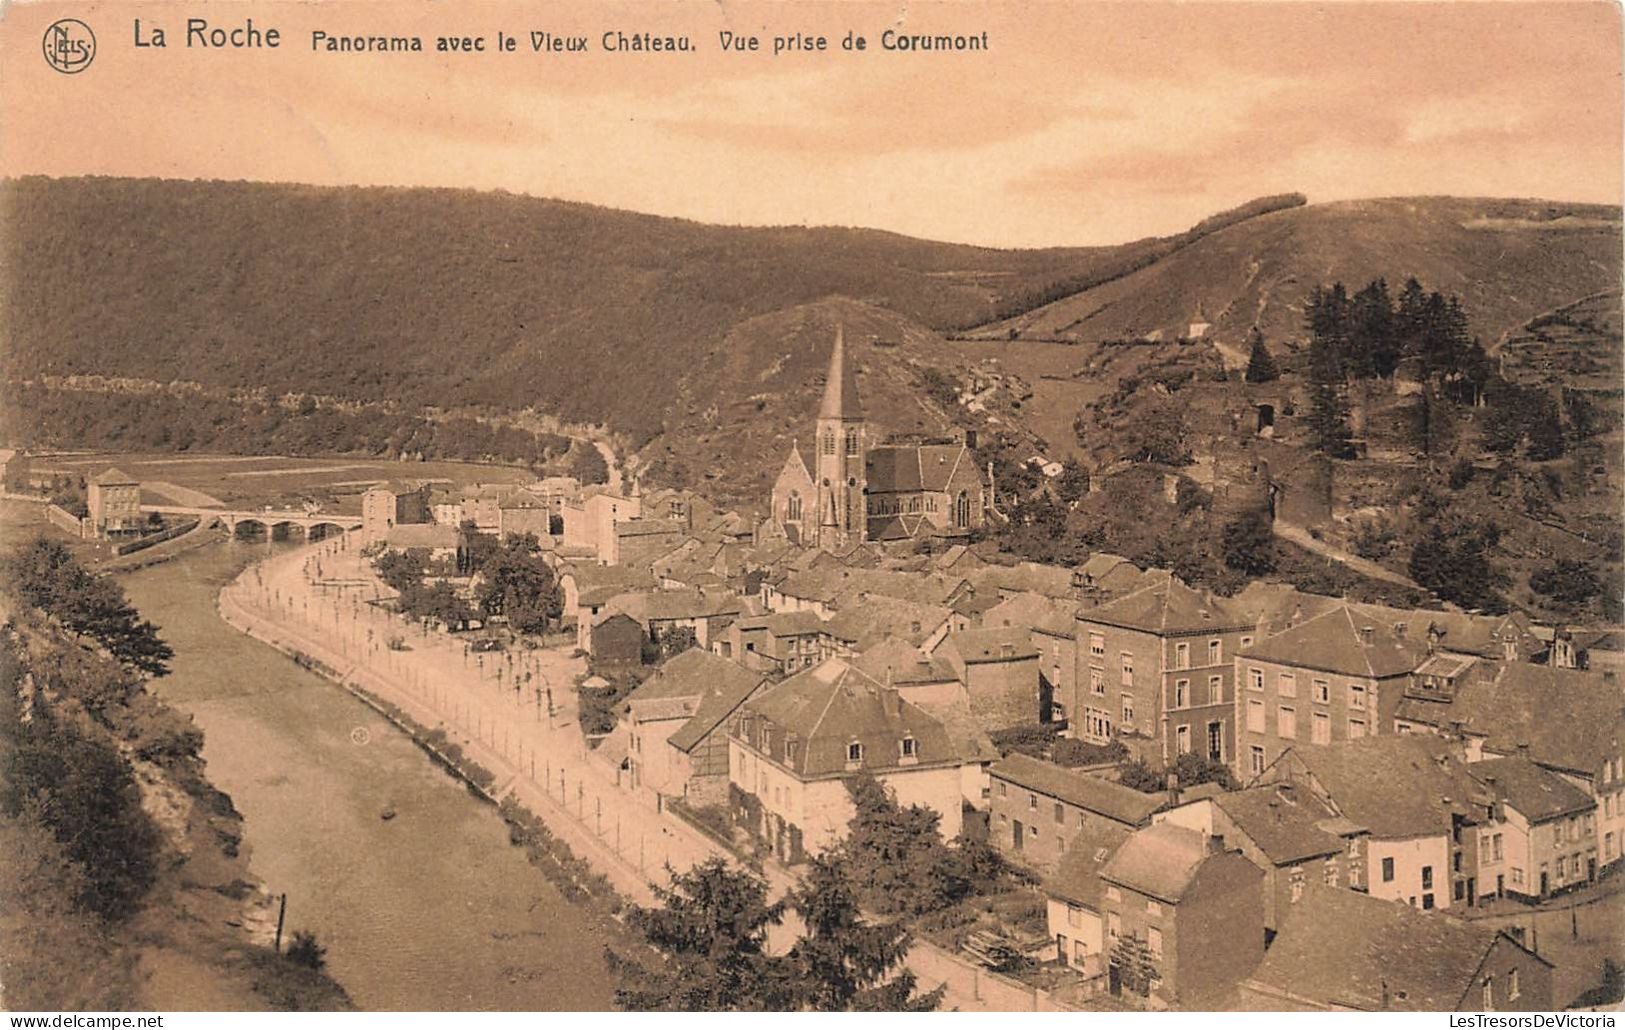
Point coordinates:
[(1026, 577), (1283, 823), (784, 624), (425, 534), (1124, 804), (1570, 719), (900, 663), (1160, 860), (1028, 610), (913, 468), (113, 477), (1348, 949), (720, 686), (1333, 642), (833, 704), (866, 621), (654, 605), (1167, 605), (1078, 878), (897, 527), (1395, 785), (1537, 793), (992, 644)]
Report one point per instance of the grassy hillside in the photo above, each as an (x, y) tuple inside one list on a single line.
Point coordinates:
[(1508, 260)]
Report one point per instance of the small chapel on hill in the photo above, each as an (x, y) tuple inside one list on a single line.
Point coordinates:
[(858, 492)]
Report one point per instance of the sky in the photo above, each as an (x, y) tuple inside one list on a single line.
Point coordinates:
[(1082, 123)]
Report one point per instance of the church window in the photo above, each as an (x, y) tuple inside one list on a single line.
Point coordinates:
[(828, 444), (962, 510), (851, 441), (792, 507)]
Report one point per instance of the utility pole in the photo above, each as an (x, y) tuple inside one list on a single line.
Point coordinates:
[(281, 914)]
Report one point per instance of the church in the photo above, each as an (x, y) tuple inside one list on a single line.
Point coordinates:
[(858, 492)]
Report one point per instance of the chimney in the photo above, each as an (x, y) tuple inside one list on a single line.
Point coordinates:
[(1173, 790), (970, 439), (1215, 844), (1523, 749), (1366, 634), (892, 703), (1610, 676), (1400, 629)]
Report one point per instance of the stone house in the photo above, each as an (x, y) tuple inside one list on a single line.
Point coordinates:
[(1040, 812), (1545, 841), (393, 504), (1184, 918), (1158, 664), (676, 744), (114, 500), (999, 668), (616, 640), (792, 749)]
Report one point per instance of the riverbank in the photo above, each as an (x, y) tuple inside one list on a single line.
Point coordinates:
[(434, 909)]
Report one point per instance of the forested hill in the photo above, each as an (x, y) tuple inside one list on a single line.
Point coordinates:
[(454, 298), (436, 297)]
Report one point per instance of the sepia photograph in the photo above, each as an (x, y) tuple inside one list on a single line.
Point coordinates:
[(625, 507)]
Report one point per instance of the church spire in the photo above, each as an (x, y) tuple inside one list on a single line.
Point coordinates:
[(840, 385)]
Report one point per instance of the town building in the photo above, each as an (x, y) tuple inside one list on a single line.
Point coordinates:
[(1051, 626), (791, 640), (1041, 812), (675, 745), (393, 504), (114, 500), (1157, 664), (1184, 918), (792, 749), (1338, 676), (1545, 841), (436, 543), (616, 640), (857, 491), (1341, 951), (1413, 814), (999, 668), (1293, 837)]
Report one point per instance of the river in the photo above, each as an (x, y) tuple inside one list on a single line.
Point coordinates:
[(433, 909)]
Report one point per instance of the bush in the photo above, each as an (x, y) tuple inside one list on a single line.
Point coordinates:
[(1035, 739), (1073, 753), (304, 951)]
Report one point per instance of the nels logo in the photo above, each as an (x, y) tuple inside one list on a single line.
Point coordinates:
[(69, 46)]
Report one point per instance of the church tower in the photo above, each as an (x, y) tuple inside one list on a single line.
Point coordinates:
[(842, 444)]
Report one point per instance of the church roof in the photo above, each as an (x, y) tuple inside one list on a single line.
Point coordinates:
[(908, 469), (840, 385)]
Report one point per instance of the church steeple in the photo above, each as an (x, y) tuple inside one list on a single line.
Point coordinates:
[(840, 385), (842, 449)]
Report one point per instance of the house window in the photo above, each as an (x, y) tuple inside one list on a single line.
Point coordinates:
[(1256, 760), (1427, 877), (1097, 682), (1246, 642), (1215, 689), (1512, 985), (1114, 925), (1387, 870), (854, 752), (1182, 693), (1356, 728), (1215, 741), (1128, 710), (1286, 723), (1255, 715), (1184, 736), (1489, 994), (1032, 802), (1097, 645), (1128, 668), (1255, 679), (1356, 697), (1321, 730), (1182, 656), (1004, 789), (1074, 916), (1286, 684), (1060, 814), (1323, 692), (1498, 852), (790, 751), (1329, 872), (1215, 652), (909, 748), (1153, 942)]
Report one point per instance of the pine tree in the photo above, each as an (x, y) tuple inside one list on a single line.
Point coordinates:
[(842, 962), (1373, 350), (1260, 365)]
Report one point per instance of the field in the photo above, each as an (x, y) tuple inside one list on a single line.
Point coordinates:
[(255, 482)]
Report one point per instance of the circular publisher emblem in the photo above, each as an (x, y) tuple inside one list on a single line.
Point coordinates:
[(69, 46)]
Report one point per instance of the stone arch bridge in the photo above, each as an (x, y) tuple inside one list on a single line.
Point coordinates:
[(277, 525)]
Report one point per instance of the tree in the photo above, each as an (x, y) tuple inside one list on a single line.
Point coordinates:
[(1329, 431), (1373, 348), (896, 854), (712, 927), (519, 584), (45, 575), (1260, 365), (304, 951), (1568, 583), (587, 464), (1072, 485), (842, 962), (1452, 559), (1137, 775), (1249, 544)]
